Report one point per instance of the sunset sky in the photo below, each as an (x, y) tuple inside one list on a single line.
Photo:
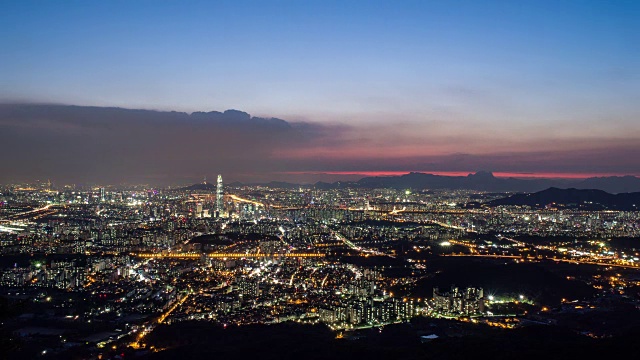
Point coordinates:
[(523, 88)]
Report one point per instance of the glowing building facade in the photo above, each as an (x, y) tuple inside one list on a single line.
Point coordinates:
[(219, 197)]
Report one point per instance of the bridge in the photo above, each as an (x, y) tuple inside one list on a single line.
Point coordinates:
[(39, 212)]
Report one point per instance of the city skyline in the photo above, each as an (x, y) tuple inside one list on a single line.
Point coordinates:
[(518, 88), (94, 273), (342, 179)]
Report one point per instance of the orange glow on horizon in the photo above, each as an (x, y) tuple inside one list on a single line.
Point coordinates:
[(541, 175)]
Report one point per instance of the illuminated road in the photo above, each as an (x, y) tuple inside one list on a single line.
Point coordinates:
[(577, 262), (163, 317), (10, 229), (519, 243), (451, 226), (598, 263), (485, 256), (31, 212), (224, 255), (346, 241), (237, 198), (352, 246), (397, 211)]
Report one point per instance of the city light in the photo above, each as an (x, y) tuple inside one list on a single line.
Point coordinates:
[(283, 258)]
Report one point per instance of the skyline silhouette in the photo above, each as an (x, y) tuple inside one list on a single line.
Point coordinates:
[(526, 89)]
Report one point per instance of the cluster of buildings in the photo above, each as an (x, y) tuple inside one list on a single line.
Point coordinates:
[(370, 311), (265, 255), (457, 302)]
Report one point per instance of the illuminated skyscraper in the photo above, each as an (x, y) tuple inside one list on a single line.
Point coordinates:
[(219, 195), (102, 195)]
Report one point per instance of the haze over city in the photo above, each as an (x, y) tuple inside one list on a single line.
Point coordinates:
[(344, 180), (542, 89)]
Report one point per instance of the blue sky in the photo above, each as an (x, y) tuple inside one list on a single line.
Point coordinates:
[(530, 72), (321, 58)]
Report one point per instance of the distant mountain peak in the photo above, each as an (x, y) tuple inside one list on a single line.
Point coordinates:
[(482, 174)]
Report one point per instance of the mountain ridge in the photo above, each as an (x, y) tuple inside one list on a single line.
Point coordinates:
[(480, 181), (572, 198), (486, 181)]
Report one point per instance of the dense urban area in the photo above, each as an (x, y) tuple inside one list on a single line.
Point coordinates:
[(111, 272)]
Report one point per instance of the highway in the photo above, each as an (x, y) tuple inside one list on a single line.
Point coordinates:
[(30, 212), (237, 198), (352, 246), (451, 226), (187, 256), (577, 262)]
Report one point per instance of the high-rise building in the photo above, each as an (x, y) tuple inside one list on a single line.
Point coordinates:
[(248, 289), (102, 195), (219, 197), (456, 302)]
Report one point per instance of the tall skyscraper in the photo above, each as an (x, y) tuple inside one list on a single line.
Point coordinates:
[(219, 195), (102, 195)]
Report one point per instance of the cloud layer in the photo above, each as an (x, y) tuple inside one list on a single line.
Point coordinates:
[(73, 144)]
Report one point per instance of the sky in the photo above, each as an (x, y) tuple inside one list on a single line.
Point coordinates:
[(374, 87)]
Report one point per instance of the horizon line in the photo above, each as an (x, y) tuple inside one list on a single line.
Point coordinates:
[(499, 174)]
